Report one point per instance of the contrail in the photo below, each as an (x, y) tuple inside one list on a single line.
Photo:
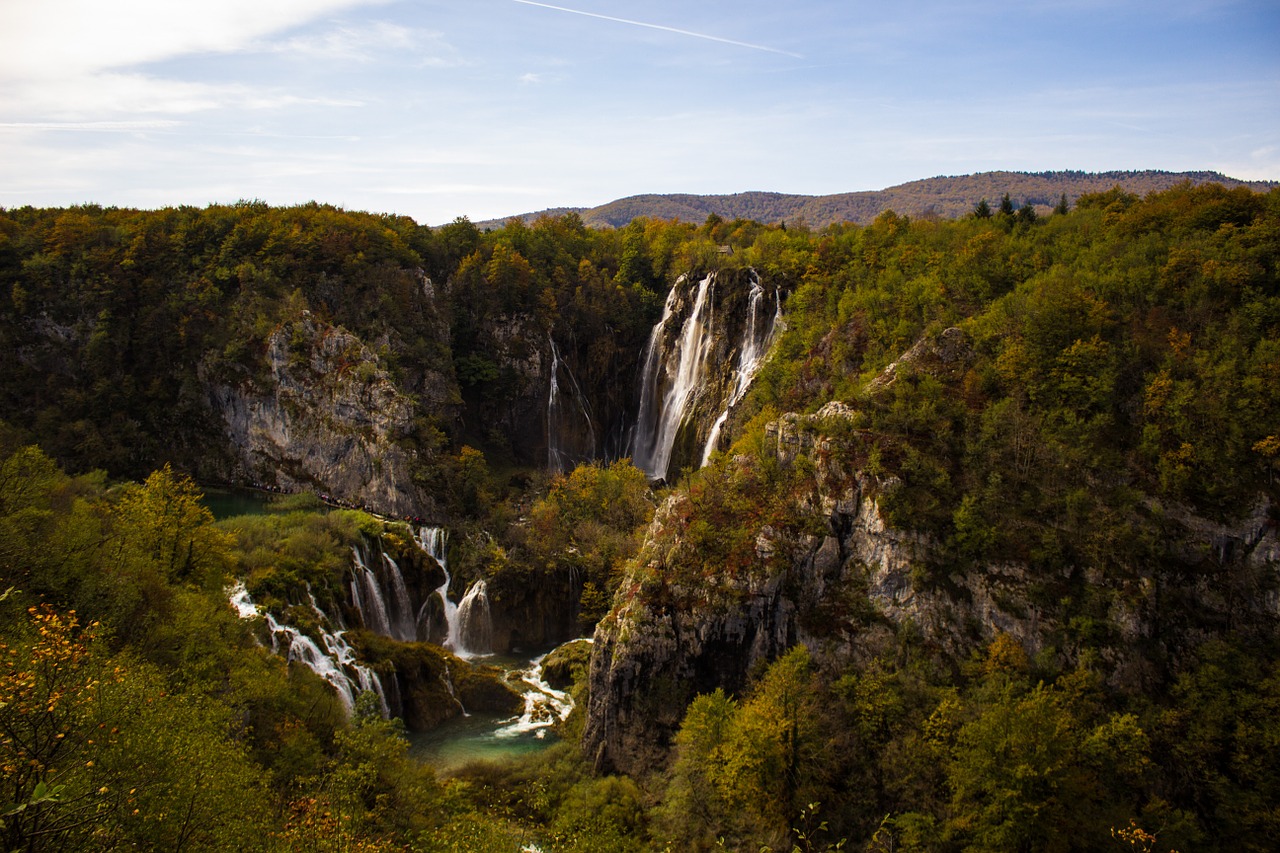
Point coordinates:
[(661, 27)]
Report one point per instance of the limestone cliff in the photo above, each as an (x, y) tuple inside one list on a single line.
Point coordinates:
[(323, 414)]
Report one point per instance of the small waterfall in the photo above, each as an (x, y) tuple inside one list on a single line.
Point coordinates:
[(475, 625), (758, 335), (435, 541), (335, 663), (470, 629), (453, 691), (671, 379), (403, 625), (560, 456)]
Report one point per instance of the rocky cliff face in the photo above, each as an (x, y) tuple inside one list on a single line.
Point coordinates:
[(531, 615), (843, 582), (325, 416)]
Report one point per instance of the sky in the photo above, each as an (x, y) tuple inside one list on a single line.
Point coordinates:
[(490, 108)]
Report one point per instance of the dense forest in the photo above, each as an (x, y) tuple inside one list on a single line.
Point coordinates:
[(985, 559)]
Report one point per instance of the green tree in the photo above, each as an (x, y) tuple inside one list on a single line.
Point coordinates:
[(82, 766), (774, 756), (163, 520), (694, 812), (1015, 778)]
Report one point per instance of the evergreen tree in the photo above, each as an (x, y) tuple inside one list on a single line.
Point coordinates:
[(982, 210)]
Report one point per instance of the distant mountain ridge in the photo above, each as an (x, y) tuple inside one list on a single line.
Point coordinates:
[(947, 197)]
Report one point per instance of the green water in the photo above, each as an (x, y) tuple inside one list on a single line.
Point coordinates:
[(482, 737), (475, 738), (228, 503)]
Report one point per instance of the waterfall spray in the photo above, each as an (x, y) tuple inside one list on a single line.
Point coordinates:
[(758, 336)]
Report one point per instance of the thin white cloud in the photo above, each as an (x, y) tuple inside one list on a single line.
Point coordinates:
[(63, 38), (101, 96), (369, 43), (97, 126), (530, 78), (661, 27), (347, 44), (69, 62), (462, 189)]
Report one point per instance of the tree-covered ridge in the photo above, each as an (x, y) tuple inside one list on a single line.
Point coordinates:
[(986, 399), (947, 197)]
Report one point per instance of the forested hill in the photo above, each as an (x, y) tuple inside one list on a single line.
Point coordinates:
[(945, 197)]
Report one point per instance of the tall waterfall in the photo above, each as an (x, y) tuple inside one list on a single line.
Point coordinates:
[(757, 337), (670, 378), (688, 387), (564, 419), (470, 627), (335, 663)]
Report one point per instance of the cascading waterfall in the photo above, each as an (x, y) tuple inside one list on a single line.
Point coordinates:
[(470, 634), (402, 621), (366, 595), (757, 337), (435, 541), (335, 663), (670, 379), (559, 457)]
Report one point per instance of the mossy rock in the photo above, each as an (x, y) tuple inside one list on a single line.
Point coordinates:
[(566, 664), (483, 689)]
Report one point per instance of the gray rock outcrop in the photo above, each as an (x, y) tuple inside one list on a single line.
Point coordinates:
[(324, 416)]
